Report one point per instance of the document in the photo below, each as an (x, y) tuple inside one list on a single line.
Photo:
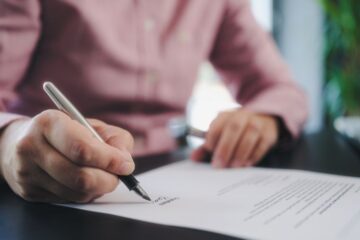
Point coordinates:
[(251, 203)]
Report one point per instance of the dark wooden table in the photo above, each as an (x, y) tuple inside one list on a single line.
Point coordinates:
[(323, 152)]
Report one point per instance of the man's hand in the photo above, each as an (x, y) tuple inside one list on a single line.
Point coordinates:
[(52, 158), (238, 138)]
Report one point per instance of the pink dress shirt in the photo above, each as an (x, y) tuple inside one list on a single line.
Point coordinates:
[(133, 63)]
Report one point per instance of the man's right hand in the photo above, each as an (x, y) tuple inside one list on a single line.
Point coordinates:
[(52, 158)]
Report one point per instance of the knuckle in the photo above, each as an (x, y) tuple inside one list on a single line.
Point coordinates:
[(80, 152), (26, 149), (84, 182), (43, 119), (113, 165), (25, 146), (235, 125), (254, 124)]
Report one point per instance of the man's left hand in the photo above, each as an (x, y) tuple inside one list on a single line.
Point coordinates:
[(239, 138)]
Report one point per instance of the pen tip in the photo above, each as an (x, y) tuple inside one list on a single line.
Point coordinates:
[(142, 193), (146, 197)]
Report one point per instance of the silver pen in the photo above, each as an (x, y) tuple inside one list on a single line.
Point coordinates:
[(63, 104), (178, 127)]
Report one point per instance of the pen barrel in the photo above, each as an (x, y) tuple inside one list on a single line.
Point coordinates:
[(130, 181)]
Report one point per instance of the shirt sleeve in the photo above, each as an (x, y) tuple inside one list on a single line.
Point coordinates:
[(19, 33), (247, 59)]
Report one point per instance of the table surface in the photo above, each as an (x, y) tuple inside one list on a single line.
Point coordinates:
[(323, 151)]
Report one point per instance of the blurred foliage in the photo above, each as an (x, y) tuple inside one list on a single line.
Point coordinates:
[(342, 57)]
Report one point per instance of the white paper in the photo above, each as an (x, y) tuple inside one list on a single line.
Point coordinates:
[(255, 203)]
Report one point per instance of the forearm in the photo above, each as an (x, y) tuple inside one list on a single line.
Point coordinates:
[(249, 62), (20, 25)]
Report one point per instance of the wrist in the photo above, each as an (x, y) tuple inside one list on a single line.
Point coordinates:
[(8, 134)]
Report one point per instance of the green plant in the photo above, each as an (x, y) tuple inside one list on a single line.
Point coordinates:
[(342, 57)]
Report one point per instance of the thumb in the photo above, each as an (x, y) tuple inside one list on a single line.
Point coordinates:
[(114, 136)]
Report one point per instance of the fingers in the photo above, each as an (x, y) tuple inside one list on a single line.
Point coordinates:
[(77, 144), (43, 188), (33, 193), (246, 146), (215, 130), (53, 191), (267, 141), (32, 183), (239, 138), (79, 179), (55, 159), (228, 141), (258, 153)]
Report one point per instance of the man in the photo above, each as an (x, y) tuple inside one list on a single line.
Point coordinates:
[(131, 64)]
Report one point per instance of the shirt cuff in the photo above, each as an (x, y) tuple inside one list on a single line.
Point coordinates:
[(7, 118)]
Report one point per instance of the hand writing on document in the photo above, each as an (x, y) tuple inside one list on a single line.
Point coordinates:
[(52, 158), (238, 138)]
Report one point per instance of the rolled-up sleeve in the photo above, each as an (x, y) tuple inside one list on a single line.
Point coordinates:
[(19, 33), (250, 64)]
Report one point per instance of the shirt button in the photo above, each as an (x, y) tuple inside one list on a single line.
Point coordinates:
[(149, 24)]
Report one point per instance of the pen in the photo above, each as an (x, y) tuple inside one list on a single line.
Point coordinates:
[(63, 104), (179, 128), (195, 132)]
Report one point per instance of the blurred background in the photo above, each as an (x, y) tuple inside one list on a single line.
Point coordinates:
[(319, 41)]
